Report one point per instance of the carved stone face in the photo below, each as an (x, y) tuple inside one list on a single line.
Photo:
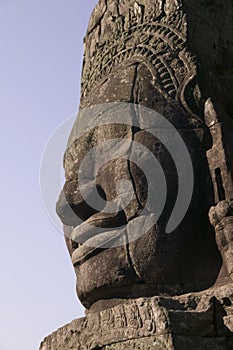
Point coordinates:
[(131, 70), (157, 262)]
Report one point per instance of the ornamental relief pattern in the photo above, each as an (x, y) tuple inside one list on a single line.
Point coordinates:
[(158, 41)]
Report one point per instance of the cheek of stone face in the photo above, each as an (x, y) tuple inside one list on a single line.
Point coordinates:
[(159, 257), (154, 255)]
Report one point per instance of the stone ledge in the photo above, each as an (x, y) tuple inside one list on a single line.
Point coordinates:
[(192, 321)]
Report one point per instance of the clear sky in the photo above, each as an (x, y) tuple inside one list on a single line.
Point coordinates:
[(40, 66)]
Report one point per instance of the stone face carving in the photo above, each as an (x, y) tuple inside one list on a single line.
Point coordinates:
[(139, 52), (174, 57)]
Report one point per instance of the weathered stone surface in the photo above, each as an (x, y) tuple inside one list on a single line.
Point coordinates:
[(193, 321), (139, 52), (176, 58)]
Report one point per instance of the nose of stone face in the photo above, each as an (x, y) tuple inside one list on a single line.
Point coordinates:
[(72, 207)]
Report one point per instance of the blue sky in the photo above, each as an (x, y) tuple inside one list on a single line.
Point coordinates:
[(40, 67)]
